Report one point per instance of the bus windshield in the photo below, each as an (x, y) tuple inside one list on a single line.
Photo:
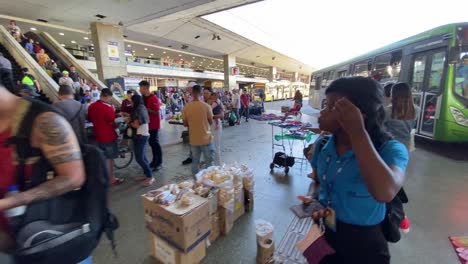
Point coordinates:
[(461, 77)]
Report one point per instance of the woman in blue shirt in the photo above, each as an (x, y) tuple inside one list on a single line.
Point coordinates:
[(359, 169)]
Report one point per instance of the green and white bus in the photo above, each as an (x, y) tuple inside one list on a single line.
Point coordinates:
[(434, 63)]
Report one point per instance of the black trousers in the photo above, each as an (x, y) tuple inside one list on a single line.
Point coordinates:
[(155, 147), (357, 245)]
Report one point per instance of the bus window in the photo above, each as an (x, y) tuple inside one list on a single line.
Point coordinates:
[(341, 74), (361, 68), (437, 69), (380, 71), (461, 79), (418, 73)]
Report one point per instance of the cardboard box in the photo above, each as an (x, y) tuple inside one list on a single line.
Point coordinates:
[(249, 200), (215, 228), (226, 220), (181, 226), (239, 208), (265, 252), (167, 254), (213, 201)]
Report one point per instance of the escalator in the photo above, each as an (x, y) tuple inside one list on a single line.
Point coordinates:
[(64, 59), (18, 73), (19, 59)]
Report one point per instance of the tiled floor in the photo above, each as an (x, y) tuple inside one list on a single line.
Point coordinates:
[(437, 187)]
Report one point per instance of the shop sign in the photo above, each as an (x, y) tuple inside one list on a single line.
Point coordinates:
[(234, 70), (113, 51)]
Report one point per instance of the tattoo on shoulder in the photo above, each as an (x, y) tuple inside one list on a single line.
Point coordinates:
[(53, 129), (64, 158)]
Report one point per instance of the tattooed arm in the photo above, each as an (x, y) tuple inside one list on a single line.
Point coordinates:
[(55, 137)]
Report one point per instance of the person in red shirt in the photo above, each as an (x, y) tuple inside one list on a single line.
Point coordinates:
[(245, 101), (153, 105), (102, 115)]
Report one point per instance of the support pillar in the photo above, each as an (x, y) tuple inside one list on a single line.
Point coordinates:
[(272, 74), (230, 82), (109, 50), (295, 77)]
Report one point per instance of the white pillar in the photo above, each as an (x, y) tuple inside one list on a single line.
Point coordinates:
[(229, 79), (109, 50)]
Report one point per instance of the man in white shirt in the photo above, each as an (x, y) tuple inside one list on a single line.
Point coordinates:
[(236, 104)]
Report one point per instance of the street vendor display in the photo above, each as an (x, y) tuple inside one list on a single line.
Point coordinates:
[(184, 219)]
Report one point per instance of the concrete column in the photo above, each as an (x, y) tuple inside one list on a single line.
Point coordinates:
[(109, 50), (272, 74), (229, 79), (295, 77)]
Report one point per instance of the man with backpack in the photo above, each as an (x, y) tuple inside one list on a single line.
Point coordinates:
[(53, 191), (50, 137)]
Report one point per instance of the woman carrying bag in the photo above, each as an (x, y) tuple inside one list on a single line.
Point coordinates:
[(358, 169), (139, 120)]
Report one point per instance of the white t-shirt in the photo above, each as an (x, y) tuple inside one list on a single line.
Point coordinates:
[(143, 130), (236, 103), (95, 95)]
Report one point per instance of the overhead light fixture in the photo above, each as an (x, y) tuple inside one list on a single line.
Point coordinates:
[(193, 57), (129, 45), (85, 38), (61, 34), (197, 36), (33, 29), (133, 51), (63, 45), (193, 61), (180, 55), (74, 42), (146, 48), (151, 54), (204, 60), (164, 52)]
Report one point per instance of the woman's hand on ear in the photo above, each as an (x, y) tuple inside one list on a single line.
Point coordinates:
[(350, 117)]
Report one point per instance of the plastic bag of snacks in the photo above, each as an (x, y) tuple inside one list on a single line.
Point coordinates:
[(247, 178)]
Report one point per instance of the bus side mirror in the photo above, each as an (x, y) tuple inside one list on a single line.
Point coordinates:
[(454, 56)]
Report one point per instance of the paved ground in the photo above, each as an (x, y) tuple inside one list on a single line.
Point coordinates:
[(437, 185)]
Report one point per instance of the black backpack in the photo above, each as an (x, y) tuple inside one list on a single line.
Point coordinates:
[(67, 228), (394, 209)]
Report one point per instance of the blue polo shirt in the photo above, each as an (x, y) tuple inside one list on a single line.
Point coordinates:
[(348, 194)]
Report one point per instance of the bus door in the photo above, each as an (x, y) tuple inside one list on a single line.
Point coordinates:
[(426, 83)]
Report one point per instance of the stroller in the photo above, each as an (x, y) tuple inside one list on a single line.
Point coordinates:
[(282, 160)]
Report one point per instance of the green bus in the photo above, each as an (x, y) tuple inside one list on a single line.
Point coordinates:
[(434, 63)]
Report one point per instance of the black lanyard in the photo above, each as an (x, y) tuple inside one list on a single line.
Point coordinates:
[(330, 184)]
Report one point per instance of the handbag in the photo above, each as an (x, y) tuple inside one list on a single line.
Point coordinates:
[(314, 246)]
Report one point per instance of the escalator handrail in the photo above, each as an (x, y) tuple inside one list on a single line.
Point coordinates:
[(22, 57)]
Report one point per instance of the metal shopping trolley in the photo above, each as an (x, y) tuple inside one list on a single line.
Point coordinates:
[(284, 135)]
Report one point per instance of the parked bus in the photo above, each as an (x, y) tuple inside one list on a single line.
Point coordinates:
[(434, 63)]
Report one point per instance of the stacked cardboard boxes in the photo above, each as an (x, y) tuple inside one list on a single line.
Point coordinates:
[(178, 233)]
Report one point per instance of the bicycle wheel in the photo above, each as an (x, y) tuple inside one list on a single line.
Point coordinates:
[(125, 157)]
